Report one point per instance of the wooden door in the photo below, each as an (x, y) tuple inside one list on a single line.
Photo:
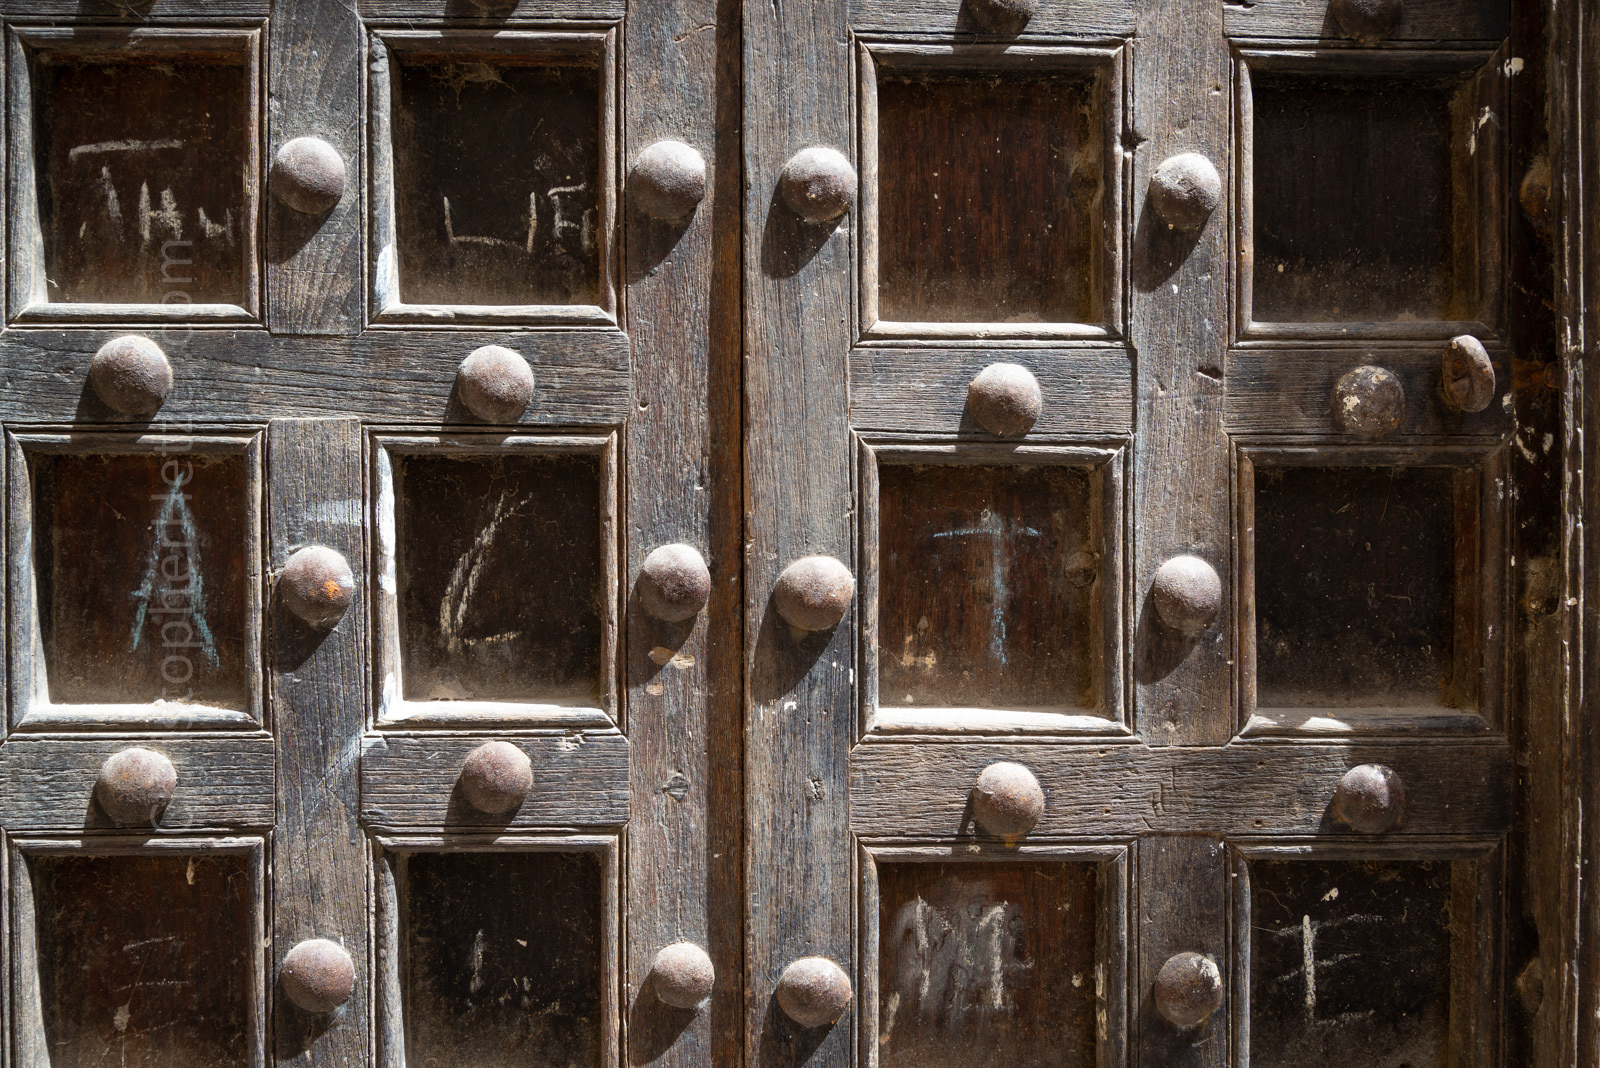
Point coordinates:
[(372, 472), (1139, 400)]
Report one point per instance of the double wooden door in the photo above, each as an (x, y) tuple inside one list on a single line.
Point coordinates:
[(882, 532)]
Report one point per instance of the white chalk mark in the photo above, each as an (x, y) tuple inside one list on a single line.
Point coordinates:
[(109, 190), (100, 147), (1308, 956), (167, 215)]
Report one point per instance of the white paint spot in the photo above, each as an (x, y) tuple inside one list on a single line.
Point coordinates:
[(119, 1019), (1331, 895), (1513, 66)]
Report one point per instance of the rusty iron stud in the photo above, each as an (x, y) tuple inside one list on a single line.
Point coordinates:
[(495, 384), (1370, 799), (1367, 21), (814, 992), (308, 175), (1007, 800), (1003, 16), (674, 583), (318, 975), (818, 184), (1188, 989), (496, 777), (668, 180), (1534, 194), (1185, 190), (131, 375), (682, 975), (814, 593), (1468, 374), (1005, 399), (317, 585), (1187, 594), (135, 785), (1369, 402)]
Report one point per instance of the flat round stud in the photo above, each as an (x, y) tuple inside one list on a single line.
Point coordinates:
[(496, 777), (1005, 399), (318, 975), (1187, 594), (1369, 402), (1370, 799), (317, 585), (682, 975), (308, 175), (1007, 800), (1367, 21), (674, 583), (135, 786), (495, 384), (131, 375), (668, 180), (814, 992), (1467, 377), (1185, 190), (818, 184), (1188, 989), (814, 593)]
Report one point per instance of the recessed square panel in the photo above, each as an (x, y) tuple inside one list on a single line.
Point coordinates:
[(498, 178), (500, 567), (143, 170), (143, 577), (991, 190), (1362, 195), (143, 961), (1350, 963), (987, 965), (1357, 599), (991, 591), (504, 958)]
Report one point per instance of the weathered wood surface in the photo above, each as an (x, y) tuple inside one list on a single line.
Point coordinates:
[(683, 713), (319, 700), (315, 281), (1086, 18), (1182, 684), (1452, 788), (799, 692), (1289, 390), (489, 16), (1183, 897), (579, 779), (1088, 393), (1421, 21), (120, 953), (580, 376), (223, 782)]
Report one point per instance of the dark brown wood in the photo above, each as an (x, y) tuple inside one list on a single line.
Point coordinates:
[(1420, 20), (1183, 898), (320, 697), (1087, 18), (984, 964)]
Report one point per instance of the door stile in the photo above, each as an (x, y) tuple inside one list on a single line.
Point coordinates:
[(799, 685), (681, 489), (318, 695)]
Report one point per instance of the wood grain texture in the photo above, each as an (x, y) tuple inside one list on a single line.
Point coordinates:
[(1085, 18), (1184, 894), (683, 714), (223, 782), (1182, 684), (580, 376), (314, 277), (1452, 788), (113, 11), (1420, 21), (580, 779), (319, 696), (512, 11), (799, 866), (1290, 391), (1088, 393)]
